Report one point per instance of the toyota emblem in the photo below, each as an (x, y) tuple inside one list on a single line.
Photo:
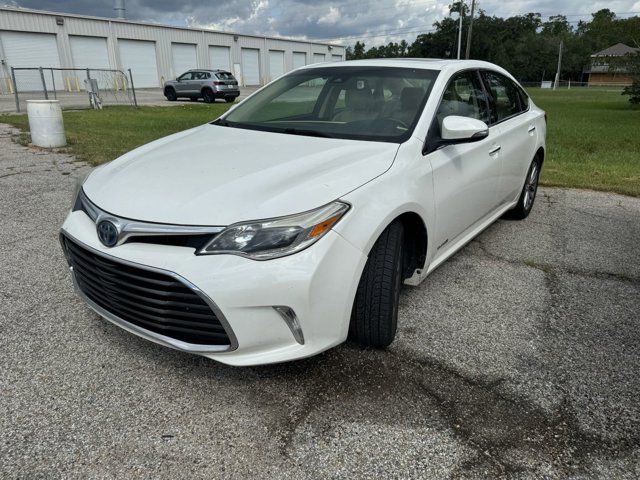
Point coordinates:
[(107, 233)]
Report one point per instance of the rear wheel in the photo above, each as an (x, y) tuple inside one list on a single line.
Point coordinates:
[(528, 194), (374, 317), (208, 96), (170, 94), (230, 99)]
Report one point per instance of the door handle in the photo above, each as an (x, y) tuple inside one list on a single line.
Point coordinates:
[(495, 149), (532, 129)]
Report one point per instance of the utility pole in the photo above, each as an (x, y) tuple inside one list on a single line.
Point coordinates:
[(473, 8), (461, 6), (555, 84)]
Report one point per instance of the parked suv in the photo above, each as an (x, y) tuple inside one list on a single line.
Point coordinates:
[(205, 84)]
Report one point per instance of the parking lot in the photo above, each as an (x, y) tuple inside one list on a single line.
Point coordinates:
[(518, 358)]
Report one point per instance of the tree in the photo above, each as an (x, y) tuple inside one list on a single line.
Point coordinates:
[(631, 62), (523, 44)]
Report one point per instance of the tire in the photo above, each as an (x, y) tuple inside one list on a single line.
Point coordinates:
[(528, 193), (374, 317), (208, 96), (230, 99), (170, 94)]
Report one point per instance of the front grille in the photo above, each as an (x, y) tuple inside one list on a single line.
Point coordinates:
[(148, 299)]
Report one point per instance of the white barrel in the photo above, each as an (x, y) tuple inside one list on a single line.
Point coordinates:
[(45, 123)]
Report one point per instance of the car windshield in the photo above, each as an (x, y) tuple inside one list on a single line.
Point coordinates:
[(363, 103), (224, 76)]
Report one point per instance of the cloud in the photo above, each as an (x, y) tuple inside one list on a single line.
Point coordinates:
[(342, 21), (331, 18)]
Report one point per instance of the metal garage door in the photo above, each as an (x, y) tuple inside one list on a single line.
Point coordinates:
[(251, 66), (22, 49), (299, 59), (318, 57), (184, 58), (276, 64), (336, 58), (89, 52), (140, 57), (219, 57)]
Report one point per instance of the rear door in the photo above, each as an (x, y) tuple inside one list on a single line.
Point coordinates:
[(465, 175), (510, 110)]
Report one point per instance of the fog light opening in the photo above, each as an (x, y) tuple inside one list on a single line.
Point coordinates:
[(290, 318)]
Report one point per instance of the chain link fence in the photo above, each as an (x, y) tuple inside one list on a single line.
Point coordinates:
[(73, 87), (568, 85)]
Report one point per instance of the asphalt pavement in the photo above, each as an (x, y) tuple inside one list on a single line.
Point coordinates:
[(518, 358)]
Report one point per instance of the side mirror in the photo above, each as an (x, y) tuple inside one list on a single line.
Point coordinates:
[(456, 129)]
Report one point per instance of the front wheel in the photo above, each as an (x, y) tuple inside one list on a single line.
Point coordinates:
[(374, 317), (170, 94), (528, 194)]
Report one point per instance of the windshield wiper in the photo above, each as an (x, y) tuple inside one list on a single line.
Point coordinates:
[(310, 133), (222, 123)]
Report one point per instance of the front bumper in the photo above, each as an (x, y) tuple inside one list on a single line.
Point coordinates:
[(318, 284)]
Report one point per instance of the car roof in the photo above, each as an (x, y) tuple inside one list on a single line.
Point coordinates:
[(424, 63), (207, 70)]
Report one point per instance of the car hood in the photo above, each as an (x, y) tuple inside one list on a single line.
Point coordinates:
[(213, 175)]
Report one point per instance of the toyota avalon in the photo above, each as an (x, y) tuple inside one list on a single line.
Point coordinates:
[(289, 224)]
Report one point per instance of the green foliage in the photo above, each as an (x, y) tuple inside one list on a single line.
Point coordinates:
[(592, 140), (523, 44), (631, 63), (98, 136)]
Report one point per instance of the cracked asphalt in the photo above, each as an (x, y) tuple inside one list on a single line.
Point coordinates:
[(518, 358)]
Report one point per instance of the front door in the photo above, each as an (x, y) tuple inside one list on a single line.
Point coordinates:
[(183, 84), (465, 175)]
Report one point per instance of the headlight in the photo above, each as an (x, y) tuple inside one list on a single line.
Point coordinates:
[(77, 189), (277, 237), (82, 203)]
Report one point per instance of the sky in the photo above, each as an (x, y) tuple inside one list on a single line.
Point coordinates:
[(373, 21)]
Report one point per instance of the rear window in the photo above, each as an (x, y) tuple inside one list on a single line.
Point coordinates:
[(224, 76)]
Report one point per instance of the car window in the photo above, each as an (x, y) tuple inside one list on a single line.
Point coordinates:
[(505, 98), (365, 103), (224, 76), (524, 99), (465, 97), (186, 76)]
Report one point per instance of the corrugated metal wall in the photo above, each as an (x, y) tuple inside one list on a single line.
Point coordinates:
[(163, 36)]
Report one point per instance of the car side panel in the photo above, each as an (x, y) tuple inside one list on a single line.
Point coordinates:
[(407, 186)]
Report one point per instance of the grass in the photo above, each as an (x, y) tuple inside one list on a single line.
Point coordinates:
[(98, 136), (593, 140), (593, 136)]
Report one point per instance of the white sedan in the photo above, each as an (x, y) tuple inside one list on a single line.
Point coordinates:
[(289, 224)]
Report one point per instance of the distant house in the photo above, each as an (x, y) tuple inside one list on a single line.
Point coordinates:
[(601, 72)]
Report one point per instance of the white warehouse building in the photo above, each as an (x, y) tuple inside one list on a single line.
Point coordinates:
[(154, 53)]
